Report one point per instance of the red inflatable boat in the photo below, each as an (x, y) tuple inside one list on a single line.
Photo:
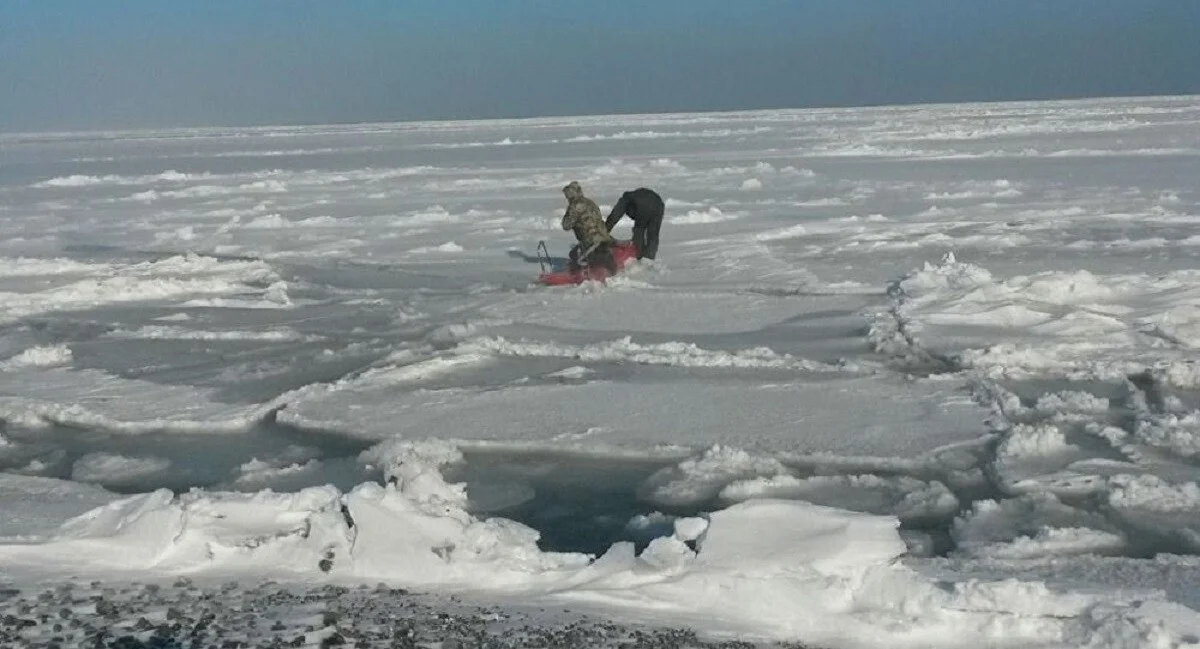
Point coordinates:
[(624, 253)]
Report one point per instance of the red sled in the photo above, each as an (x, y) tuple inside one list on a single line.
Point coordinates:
[(624, 253)]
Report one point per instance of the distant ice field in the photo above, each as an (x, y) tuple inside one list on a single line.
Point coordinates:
[(901, 376)]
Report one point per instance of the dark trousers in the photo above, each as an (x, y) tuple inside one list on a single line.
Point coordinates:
[(602, 255), (645, 235)]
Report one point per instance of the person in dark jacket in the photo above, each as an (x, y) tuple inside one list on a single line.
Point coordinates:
[(646, 209)]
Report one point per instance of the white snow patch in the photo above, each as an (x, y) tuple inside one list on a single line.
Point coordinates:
[(1153, 493), (110, 469), (83, 180), (711, 214), (449, 246), (906, 498), (699, 479), (174, 277), (790, 232), (46, 356), (165, 332), (30, 267), (676, 354), (258, 472), (573, 372), (1033, 525), (656, 166)]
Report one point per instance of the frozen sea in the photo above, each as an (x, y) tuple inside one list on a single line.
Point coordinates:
[(921, 376)]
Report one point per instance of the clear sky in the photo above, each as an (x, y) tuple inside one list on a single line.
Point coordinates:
[(128, 63)]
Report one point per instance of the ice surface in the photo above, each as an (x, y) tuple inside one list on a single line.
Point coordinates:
[(99, 400), (35, 507), (926, 374), (1073, 324), (797, 418)]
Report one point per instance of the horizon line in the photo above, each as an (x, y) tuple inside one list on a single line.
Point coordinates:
[(533, 118)]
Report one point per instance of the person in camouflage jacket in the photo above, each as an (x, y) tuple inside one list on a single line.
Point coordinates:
[(583, 216)]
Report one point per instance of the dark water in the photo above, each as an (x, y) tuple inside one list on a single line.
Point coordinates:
[(578, 504)]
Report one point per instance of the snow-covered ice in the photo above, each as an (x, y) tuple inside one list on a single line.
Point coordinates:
[(915, 376)]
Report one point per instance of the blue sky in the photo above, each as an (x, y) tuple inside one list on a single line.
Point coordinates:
[(109, 63)]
